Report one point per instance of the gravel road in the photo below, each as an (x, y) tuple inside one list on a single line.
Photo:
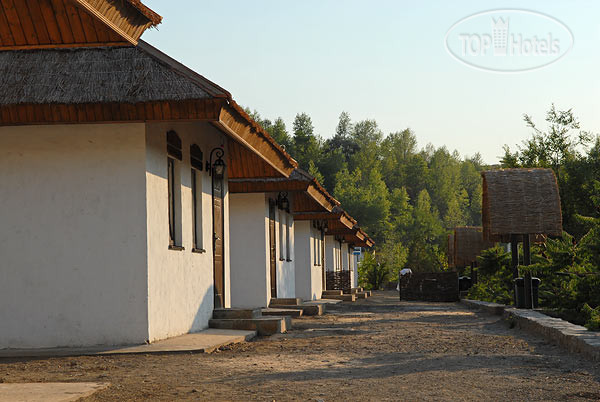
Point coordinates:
[(375, 349)]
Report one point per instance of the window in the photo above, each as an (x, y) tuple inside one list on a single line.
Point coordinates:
[(174, 189), (315, 248), (321, 248), (197, 233), (288, 228), (338, 256), (280, 212)]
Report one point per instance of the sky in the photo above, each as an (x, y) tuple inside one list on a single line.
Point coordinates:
[(388, 61)]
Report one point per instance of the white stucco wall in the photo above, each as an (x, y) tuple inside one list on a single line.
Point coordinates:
[(250, 258), (180, 283), (351, 265), (72, 235), (250, 270), (286, 276), (332, 256), (345, 259), (309, 282)]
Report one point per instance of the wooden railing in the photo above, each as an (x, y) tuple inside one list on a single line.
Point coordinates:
[(339, 280)]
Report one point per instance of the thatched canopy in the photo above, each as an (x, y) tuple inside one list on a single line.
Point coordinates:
[(520, 201), (468, 245), (97, 75)]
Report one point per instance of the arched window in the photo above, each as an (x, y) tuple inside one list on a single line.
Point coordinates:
[(174, 156), (198, 233)]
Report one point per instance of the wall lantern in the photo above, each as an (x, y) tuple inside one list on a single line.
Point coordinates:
[(216, 168), (283, 202)]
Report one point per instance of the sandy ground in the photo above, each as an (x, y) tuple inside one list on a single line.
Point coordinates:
[(378, 349)]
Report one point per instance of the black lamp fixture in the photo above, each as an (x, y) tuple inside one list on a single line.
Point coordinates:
[(283, 202), (216, 168)]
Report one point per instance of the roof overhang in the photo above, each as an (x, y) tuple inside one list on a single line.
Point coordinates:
[(307, 192), (217, 108), (129, 19), (238, 125)]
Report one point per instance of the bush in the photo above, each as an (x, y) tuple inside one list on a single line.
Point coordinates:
[(593, 317), (494, 277), (372, 274)]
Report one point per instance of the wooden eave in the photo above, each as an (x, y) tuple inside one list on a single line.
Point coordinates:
[(315, 215), (34, 114), (44, 24), (127, 20), (237, 124), (259, 185), (335, 221), (308, 195)]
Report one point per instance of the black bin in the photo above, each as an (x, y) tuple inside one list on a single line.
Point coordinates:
[(520, 292), (464, 283)]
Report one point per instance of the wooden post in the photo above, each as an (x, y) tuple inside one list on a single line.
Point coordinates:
[(527, 262), (514, 249)]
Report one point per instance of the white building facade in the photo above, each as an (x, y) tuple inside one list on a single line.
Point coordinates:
[(262, 250), (85, 239)]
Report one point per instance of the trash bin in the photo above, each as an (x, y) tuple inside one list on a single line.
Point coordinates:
[(464, 283), (535, 288), (519, 292)]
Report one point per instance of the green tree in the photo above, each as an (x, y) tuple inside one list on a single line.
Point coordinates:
[(280, 134), (306, 145)]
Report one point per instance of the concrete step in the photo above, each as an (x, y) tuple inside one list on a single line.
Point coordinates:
[(343, 297), (236, 313), (291, 312), (307, 309), (356, 290), (361, 295), (286, 301), (332, 293), (264, 325)]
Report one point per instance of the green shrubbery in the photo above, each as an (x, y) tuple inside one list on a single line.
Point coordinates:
[(494, 277), (569, 271)]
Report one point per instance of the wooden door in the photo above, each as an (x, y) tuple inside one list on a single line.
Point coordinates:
[(218, 243), (272, 249)]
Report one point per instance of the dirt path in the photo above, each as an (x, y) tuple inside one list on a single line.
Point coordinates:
[(378, 349)]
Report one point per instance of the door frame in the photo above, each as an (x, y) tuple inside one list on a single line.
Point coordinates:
[(273, 248), (221, 300)]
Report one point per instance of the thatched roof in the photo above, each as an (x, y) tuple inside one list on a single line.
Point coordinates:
[(468, 245), (520, 201), (98, 75)]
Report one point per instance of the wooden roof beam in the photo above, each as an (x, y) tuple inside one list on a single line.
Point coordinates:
[(240, 127)]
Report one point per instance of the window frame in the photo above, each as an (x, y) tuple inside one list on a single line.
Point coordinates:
[(174, 154), (197, 196)]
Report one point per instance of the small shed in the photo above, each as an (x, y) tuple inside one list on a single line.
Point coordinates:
[(520, 201), (468, 244)]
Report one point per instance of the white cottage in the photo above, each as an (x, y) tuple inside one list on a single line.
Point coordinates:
[(332, 236), (264, 213), (114, 169)]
